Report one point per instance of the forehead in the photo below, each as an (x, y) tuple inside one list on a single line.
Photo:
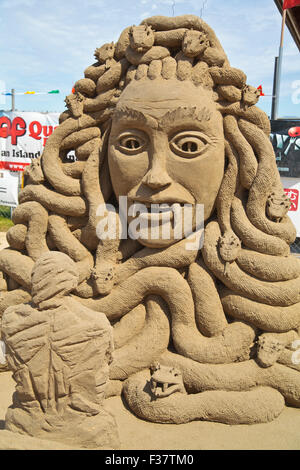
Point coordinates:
[(156, 97)]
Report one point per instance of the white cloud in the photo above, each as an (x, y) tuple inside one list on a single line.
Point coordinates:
[(54, 41)]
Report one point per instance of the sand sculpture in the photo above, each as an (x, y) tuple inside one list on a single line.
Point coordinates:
[(162, 117), (59, 352)]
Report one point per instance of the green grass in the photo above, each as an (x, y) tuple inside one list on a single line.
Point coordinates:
[(5, 221), (5, 211), (5, 224)]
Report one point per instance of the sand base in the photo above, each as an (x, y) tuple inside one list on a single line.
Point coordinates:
[(282, 434)]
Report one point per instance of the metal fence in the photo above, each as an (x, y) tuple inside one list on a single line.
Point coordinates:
[(5, 212), (295, 247)]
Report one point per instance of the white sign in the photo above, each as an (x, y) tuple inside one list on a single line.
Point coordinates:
[(292, 190), (9, 188), (23, 136)]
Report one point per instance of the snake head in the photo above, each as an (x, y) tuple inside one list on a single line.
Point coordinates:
[(141, 38), (229, 247), (105, 52), (194, 43), (165, 380), (269, 349), (103, 276), (34, 172), (74, 103), (251, 95), (278, 205)]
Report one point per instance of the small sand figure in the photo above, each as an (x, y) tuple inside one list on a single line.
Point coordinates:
[(105, 54), (278, 205), (75, 104), (165, 380), (194, 43), (141, 38), (59, 352)]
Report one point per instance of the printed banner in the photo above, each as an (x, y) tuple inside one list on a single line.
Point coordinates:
[(285, 138), (9, 188), (23, 136), (292, 190)]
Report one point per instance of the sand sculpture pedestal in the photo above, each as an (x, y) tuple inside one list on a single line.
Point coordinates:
[(59, 352)]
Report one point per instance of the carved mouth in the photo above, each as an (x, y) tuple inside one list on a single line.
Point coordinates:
[(168, 201), (160, 210), (163, 389)]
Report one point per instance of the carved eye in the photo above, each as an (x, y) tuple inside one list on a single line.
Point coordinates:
[(131, 144), (189, 144)]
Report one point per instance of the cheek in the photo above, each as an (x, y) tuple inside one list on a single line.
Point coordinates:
[(126, 171), (202, 177)]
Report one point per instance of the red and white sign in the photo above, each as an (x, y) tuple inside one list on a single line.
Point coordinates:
[(23, 136), (12, 166), (293, 195), (292, 190)]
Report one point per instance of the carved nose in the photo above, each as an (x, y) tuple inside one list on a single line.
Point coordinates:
[(157, 178)]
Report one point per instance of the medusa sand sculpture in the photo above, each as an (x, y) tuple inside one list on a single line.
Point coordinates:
[(162, 117)]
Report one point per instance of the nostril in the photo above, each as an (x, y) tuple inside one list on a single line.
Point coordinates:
[(156, 180), (156, 185)]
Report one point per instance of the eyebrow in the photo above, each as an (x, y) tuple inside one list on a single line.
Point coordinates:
[(186, 112), (124, 112), (179, 114)]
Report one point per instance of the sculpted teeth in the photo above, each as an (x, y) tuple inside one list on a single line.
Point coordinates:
[(161, 204), (153, 384)]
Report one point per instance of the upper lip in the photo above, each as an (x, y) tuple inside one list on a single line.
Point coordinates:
[(160, 200)]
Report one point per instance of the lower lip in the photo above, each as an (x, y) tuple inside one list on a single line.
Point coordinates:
[(157, 214), (158, 217)]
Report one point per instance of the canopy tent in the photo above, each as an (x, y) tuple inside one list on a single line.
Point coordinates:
[(292, 20)]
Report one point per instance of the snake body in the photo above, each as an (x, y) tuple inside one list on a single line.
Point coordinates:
[(260, 405), (208, 309)]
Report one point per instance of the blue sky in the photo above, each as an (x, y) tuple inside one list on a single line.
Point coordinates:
[(47, 45)]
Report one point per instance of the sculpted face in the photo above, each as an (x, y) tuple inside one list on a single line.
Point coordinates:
[(166, 146)]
